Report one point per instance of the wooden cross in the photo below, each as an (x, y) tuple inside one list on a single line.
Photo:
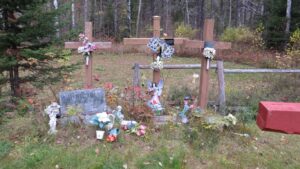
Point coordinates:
[(208, 36), (88, 31), (144, 41)]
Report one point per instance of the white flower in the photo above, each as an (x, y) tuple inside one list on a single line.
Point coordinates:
[(209, 53)]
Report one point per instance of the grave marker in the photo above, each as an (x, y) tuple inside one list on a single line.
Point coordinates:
[(88, 31), (208, 34), (89, 101), (144, 41)]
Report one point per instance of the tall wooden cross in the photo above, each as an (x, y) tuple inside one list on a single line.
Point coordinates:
[(88, 31), (208, 36), (144, 41)]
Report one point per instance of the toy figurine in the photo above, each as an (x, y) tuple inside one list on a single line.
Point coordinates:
[(156, 91), (112, 136), (118, 114), (52, 111), (186, 108)]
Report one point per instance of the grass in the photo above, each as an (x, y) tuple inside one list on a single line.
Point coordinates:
[(24, 142)]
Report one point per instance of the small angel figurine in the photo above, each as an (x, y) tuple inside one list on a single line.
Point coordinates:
[(186, 108), (52, 111), (118, 114), (156, 91)]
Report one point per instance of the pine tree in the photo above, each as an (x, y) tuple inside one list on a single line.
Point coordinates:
[(27, 51)]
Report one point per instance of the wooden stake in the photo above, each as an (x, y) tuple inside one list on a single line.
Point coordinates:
[(221, 81)]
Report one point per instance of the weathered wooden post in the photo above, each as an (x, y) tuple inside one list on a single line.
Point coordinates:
[(221, 87), (208, 36), (88, 31), (136, 75)]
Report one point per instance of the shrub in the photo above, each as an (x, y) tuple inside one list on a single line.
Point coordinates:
[(245, 35), (186, 31), (293, 50)]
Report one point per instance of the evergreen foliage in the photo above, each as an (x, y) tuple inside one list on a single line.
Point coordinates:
[(27, 51), (275, 22)]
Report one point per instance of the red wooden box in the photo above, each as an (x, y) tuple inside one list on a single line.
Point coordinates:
[(279, 116)]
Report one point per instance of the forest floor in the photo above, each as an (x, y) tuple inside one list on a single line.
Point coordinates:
[(24, 142)]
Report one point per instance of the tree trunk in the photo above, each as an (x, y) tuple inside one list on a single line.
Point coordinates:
[(168, 19), (262, 7), (187, 14), (129, 17), (73, 14), (230, 12), (85, 8), (14, 80), (55, 4), (116, 26), (138, 18), (288, 17)]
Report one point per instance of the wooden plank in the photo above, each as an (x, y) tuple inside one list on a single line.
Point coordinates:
[(179, 66), (221, 86), (228, 71), (204, 73), (200, 44), (144, 41), (99, 45)]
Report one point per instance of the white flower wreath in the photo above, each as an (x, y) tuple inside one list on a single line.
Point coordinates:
[(158, 64)]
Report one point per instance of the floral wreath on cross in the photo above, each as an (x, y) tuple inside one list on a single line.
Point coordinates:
[(87, 48), (163, 50)]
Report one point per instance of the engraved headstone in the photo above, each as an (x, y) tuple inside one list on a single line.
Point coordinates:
[(89, 101)]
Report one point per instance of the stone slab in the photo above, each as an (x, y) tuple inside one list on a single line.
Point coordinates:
[(89, 101)]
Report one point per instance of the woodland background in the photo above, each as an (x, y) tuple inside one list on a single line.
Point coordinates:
[(117, 19)]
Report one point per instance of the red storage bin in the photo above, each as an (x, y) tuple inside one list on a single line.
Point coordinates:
[(279, 117)]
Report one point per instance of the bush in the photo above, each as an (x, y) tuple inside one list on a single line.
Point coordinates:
[(293, 51), (185, 31), (245, 35)]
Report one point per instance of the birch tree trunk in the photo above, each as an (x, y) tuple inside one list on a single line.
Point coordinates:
[(73, 14), (288, 17), (129, 17), (138, 18), (55, 4)]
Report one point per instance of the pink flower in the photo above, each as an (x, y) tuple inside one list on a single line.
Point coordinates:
[(142, 127)]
